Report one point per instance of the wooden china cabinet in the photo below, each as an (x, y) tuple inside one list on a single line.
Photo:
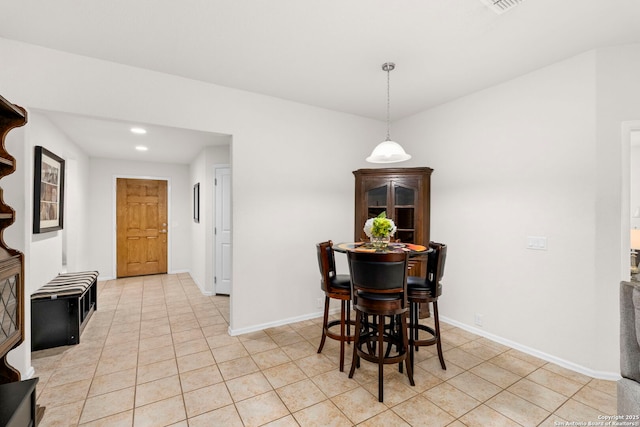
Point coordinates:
[(404, 194), (17, 398)]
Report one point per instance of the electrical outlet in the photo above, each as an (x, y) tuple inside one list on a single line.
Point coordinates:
[(319, 302), (537, 242), (478, 319)]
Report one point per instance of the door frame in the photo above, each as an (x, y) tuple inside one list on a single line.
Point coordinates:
[(114, 218), (214, 243)]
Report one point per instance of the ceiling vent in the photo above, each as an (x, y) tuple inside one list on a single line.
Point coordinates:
[(501, 6)]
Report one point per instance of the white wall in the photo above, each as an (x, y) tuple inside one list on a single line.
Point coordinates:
[(531, 157), (102, 205), (203, 237), (291, 163)]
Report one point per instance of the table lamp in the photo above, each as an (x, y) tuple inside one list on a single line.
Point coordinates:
[(635, 244)]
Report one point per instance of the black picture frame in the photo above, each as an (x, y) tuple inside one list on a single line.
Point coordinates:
[(196, 202), (48, 191)]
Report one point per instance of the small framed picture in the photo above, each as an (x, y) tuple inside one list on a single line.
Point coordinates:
[(48, 191), (196, 202)]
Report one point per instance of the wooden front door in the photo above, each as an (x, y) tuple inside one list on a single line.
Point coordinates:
[(141, 210)]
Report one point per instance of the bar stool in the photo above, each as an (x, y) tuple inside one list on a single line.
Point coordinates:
[(424, 291), (336, 286), (379, 282)]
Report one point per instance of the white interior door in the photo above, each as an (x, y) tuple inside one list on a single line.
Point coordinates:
[(222, 279)]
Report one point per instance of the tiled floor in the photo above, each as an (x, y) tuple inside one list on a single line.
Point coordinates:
[(157, 353)]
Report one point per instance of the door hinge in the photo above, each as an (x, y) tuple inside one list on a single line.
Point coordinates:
[(215, 279), (215, 181), (215, 230)]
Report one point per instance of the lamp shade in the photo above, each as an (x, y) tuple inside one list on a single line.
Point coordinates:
[(389, 152), (635, 239)]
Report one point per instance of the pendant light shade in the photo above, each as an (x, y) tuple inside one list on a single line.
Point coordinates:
[(388, 151)]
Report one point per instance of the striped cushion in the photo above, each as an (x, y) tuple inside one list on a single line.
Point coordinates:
[(66, 284)]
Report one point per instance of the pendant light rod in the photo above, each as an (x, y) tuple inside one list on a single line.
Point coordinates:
[(388, 67), (388, 151)]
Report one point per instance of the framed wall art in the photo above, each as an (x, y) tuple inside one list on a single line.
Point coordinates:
[(48, 191), (196, 202)]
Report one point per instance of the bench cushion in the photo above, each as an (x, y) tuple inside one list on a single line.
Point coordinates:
[(67, 284)]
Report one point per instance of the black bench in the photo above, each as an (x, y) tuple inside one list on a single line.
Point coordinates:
[(61, 309)]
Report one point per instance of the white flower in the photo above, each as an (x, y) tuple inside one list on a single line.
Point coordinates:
[(381, 226)]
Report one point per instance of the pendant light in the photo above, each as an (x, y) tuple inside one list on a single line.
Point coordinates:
[(388, 151)]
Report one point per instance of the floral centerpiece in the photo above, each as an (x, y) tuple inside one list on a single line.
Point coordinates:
[(379, 230)]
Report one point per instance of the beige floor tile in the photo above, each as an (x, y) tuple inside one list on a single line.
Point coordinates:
[(567, 373), (555, 382), (301, 395), (157, 390), (154, 355), (65, 375), (160, 336), (193, 361), (419, 411), (111, 364), (323, 414), (207, 399), (609, 387), (316, 364), (461, 358), (452, 400), (523, 412), (198, 378), (358, 404), (476, 387), (107, 404), (247, 386), (62, 416), (261, 409), (387, 418), (513, 364), (334, 382), (237, 367), (191, 347), (478, 349), (162, 413), (284, 374), (229, 352), (573, 410), (122, 419), (112, 382), (483, 416), (495, 374), (597, 399), (157, 370), (270, 358), (537, 394), (226, 416), (65, 393)]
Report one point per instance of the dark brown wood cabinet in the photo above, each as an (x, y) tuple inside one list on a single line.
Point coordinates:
[(405, 195), (11, 260)]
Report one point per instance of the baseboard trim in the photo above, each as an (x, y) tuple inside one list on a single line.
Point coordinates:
[(603, 375), (260, 327)]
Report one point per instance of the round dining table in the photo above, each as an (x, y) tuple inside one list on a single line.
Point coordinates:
[(413, 249)]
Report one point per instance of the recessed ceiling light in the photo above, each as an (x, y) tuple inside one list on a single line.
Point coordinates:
[(141, 148), (139, 131)]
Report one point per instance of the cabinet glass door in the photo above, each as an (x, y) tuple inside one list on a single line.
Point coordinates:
[(404, 213), (377, 201)]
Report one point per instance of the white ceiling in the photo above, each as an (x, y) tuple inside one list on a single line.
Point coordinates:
[(329, 53)]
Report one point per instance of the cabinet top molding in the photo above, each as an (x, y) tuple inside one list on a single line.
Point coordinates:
[(394, 171)]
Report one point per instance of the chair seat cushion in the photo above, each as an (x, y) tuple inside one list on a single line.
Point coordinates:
[(341, 281)]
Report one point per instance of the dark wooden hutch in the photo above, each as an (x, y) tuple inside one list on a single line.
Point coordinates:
[(17, 398), (405, 195)]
